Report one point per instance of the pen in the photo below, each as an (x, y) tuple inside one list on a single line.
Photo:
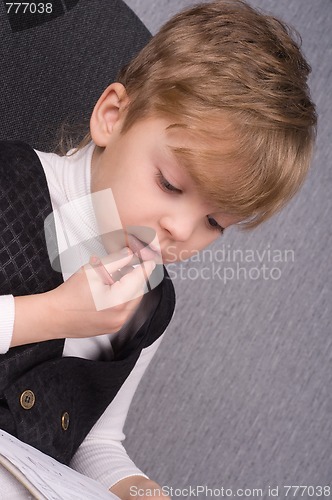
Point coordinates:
[(101, 270), (137, 252)]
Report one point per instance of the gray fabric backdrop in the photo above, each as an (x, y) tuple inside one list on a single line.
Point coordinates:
[(239, 394)]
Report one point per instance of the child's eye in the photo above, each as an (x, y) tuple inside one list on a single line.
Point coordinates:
[(165, 185), (213, 224)]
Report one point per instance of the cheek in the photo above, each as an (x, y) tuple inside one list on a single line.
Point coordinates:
[(106, 211), (204, 240), (136, 202), (108, 220)]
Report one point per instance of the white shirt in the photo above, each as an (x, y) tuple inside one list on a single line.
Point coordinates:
[(101, 455)]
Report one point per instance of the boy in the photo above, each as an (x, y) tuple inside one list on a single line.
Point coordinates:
[(210, 125)]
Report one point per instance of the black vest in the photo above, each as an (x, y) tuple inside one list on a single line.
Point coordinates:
[(63, 387)]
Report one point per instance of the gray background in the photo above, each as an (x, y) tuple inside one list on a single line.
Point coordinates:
[(239, 393)]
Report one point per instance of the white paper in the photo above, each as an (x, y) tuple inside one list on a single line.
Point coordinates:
[(55, 481)]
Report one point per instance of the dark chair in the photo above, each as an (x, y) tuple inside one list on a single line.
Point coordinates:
[(55, 65)]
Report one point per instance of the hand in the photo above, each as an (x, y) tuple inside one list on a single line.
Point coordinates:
[(70, 309), (97, 308), (138, 488)]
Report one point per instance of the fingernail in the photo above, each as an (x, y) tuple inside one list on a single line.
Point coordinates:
[(93, 259)]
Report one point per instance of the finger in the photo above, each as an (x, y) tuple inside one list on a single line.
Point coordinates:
[(99, 277), (132, 285), (109, 264), (117, 260), (117, 275)]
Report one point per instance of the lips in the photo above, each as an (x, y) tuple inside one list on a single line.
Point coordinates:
[(143, 249)]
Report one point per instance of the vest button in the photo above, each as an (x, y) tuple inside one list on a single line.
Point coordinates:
[(27, 399), (65, 421)]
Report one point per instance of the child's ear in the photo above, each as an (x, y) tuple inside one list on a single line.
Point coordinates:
[(107, 113)]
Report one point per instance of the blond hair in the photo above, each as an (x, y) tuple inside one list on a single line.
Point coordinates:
[(234, 80)]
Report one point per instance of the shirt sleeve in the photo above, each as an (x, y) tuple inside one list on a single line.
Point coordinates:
[(102, 456), (7, 315)]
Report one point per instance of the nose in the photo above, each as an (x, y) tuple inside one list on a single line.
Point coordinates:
[(179, 226)]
